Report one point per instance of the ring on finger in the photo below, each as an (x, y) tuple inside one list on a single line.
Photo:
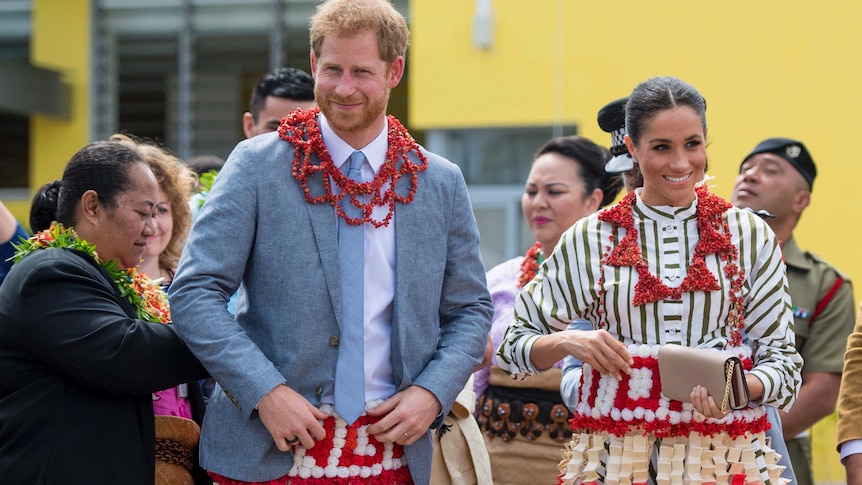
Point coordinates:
[(292, 441), (406, 436)]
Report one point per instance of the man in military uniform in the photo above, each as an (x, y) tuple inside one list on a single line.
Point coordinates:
[(777, 177)]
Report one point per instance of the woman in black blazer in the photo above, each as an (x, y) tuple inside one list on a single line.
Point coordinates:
[(82, 340), (177, 437)]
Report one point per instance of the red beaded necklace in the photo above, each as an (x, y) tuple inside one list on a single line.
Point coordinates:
[(301, 129), (649, 288), (530, 264)]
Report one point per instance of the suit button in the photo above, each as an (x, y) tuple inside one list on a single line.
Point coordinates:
[(318, 392), (333, 341)]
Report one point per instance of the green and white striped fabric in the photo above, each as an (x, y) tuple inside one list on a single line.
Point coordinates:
[(567, 288)]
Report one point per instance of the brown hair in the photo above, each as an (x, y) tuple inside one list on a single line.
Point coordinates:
[(351, 17), (178, 182)]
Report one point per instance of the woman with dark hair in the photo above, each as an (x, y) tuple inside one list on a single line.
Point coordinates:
[(179, 410), (83, 336), (525, 424), (671, 263), (173, 218)]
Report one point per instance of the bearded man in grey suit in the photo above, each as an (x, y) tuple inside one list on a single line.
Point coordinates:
[(286, 405)]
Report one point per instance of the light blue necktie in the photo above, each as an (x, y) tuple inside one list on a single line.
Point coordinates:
[(350, 370)]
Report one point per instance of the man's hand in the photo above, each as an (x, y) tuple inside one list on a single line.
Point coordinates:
[(405, 417), (291, 419)]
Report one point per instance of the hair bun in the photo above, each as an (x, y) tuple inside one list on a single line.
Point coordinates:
[(53, 188), (43, 210)]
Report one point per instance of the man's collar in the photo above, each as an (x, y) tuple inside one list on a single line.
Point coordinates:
[(793, 256), (340, 150)]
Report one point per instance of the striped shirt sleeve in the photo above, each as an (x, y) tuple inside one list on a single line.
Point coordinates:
[(571, 280)]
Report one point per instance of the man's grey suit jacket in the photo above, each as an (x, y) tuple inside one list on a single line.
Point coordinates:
[(257, 230)]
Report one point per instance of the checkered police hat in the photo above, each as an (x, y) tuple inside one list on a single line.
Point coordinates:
[(612, 119)]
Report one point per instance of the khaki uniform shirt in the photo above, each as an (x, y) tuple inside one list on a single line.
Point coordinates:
[(824, 315), (823, 309)]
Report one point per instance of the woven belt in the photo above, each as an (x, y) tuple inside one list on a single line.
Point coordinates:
[(505, 412), (170, 451)]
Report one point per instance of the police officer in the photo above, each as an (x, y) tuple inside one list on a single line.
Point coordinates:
[(612, 119), (777, 177)]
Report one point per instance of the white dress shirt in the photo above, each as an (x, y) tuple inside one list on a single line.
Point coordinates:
[(379, 267)]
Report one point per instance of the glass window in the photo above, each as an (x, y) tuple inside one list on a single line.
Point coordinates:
[(493, 156), (14, 147), (495, 163)]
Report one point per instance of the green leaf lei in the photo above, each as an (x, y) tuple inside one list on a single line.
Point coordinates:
[(206, 179), (149, 300)]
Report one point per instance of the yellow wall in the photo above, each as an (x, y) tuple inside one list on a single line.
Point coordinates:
[(60, 41), (767, 68)]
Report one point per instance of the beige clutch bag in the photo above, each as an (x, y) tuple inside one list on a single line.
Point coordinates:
[(682, 368)]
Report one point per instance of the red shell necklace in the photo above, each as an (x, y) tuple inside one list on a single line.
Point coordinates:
[(301, 129), (530, 264), (649, 288)]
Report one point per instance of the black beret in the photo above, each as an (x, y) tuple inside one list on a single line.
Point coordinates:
[(612, 119), (791, 150)]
